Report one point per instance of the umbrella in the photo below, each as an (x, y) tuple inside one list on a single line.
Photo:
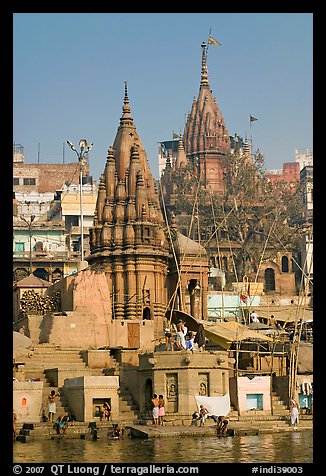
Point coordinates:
[(191, 322)]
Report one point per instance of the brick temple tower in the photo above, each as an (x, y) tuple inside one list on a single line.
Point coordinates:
[(206, 139), (127, 240)]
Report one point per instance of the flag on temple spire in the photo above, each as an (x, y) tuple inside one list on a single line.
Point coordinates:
[(252, 118), (243, 297), (212, 41)]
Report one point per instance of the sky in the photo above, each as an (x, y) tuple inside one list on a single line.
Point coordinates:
[(69, 71)]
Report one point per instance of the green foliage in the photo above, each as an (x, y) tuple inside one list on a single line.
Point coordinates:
[(251, 213)]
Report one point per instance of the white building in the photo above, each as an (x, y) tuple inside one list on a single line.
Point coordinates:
[(304, 157)]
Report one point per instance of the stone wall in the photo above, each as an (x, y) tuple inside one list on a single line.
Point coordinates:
[(87, 290), (253, 386), (84, 330), (98, 359), (75, 329), (180, 376), (86, 321), (281, 387), (31, 326), (80, 393), (27, 401)]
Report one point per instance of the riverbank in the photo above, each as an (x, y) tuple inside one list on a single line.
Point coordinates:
[(95, 430), (234, 428)]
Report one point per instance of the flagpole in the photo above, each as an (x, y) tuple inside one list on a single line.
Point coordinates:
[(250, 128), (209, 34), (251, 119)]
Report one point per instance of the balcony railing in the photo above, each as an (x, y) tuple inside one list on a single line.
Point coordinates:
[(46, 255)]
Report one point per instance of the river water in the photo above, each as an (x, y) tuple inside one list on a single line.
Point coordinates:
[(287, 447)]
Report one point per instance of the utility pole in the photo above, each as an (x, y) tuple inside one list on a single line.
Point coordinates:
[(29, 224), (84, 149)]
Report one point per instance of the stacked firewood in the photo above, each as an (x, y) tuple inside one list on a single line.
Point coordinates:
[(34, 303)]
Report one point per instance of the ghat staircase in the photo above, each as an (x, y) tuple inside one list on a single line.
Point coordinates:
[(46, 357)]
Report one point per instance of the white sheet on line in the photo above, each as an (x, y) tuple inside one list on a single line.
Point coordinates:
[(219, 406)]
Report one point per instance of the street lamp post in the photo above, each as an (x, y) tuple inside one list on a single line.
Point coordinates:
[(84, 149), (29, 224)]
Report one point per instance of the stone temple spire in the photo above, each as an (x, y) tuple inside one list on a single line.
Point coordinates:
[(126, 136), (127, 238), (181, 160), (206, 139)]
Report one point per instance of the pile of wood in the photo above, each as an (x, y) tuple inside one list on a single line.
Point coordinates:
[(34, 303)]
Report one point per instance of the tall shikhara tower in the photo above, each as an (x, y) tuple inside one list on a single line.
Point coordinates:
[(127, 239), (206, 138)]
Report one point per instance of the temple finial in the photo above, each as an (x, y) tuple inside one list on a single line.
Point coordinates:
[(126, 105), (204, 77), (126, 92)]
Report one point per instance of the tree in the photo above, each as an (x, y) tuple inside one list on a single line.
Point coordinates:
[(256, 217)]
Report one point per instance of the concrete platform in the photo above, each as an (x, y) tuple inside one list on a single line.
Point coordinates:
[(234, 428), (94, 430)]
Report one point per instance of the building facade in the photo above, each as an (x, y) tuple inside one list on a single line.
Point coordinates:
[(47, 217)]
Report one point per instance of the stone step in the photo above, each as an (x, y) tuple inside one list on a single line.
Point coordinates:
[(124, 407), (52, 351), (44, 430), (40, 352), (54, 358), (52, 362), (261, 418), (127, 398), (34, 374), (278, 402), (53, 365)]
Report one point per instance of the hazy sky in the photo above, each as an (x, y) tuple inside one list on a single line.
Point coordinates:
[(70, 68)]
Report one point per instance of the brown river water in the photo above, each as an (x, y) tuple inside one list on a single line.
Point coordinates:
[(287, 447)]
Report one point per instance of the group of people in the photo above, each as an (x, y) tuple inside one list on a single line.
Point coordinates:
[(116, 432), (158, 410), (203, 414), (184, 339), (200, 416), (61, 421), (158, 413), (61, 424), (105, 411)]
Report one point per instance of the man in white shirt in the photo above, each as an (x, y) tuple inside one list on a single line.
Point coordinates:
[(254, 316)]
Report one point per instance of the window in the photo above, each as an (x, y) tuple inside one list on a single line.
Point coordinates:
[(39, 246), (146, 234), (225, 263), (254, 401), (269, 280), (19, 250), (29, 181), (97, 406), (16, 181), (19, 246), (285, 264)]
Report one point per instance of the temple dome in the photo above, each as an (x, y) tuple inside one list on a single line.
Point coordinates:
[(184, 246)]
